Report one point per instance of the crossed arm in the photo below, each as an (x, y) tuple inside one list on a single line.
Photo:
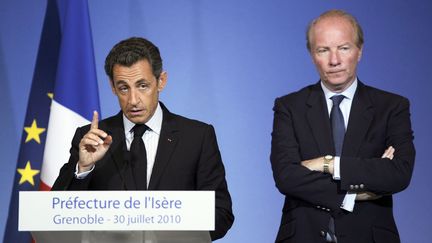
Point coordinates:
[(302, 179), (317, 164)]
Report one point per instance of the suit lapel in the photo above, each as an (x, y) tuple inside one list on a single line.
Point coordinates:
[(361, 116), (318, 119), (167, 142), (117, 152)]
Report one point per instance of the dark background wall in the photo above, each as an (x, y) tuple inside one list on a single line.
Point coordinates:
[(227, 62)]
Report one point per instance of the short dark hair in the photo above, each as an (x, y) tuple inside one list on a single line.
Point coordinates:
[(130, 51), (358, 32)]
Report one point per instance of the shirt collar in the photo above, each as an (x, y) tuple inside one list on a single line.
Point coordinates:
[(155, 122), (348, 93)]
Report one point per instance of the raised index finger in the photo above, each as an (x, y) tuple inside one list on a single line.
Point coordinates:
[(95, 120)]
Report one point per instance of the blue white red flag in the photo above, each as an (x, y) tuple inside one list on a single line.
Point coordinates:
[(63, 96)]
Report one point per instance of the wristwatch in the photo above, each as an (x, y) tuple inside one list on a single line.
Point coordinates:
[(327, 160)]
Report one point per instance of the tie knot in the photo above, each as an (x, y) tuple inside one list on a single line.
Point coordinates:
[(337, 99), (139, 130)]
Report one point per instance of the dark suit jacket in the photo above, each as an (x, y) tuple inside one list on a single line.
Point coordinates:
[(187, 158), (302, 131)]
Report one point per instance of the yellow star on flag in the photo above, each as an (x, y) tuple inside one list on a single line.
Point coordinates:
[(33, 132), (27, 174)]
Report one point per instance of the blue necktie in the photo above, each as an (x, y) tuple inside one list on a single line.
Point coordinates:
[(139, 157), (338, 132), (338, 124)]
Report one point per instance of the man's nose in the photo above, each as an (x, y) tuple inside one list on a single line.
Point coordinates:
[(334, 58), (134, 97)]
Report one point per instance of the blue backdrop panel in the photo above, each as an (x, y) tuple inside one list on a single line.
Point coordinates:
[(227, 61)]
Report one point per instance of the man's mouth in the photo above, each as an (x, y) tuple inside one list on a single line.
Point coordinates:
[(135, 112), (335, 72)]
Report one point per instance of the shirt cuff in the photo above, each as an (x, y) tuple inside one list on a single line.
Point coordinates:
[(349, 201), (336, 168), (84, 174)]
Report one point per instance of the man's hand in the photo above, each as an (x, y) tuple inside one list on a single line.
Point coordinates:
[(91, 147), (364, 196), (317, 164), (389, 153)]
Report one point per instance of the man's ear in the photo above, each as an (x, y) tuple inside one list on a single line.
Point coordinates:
[(360, 53), (163, 78)]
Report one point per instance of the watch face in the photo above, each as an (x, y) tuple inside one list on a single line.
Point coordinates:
[(328, 157)]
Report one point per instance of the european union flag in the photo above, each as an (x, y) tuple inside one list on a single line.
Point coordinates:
[(63, 95)]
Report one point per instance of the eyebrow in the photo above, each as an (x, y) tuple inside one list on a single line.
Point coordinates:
[(328, 47), (142, 81), (118, 82), (121, 81), (346, 43)]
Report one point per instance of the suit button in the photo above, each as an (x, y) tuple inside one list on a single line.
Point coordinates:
[(361, 186), (356, 187), (352, 187), (323, 233)]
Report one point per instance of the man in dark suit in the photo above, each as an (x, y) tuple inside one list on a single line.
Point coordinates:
[(340, 149), (145, 146)]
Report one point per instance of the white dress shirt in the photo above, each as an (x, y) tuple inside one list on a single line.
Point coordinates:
[(150, 138), (345, 106)]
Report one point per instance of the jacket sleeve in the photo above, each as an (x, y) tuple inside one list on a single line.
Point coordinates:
[(292, 179), (369, 172)]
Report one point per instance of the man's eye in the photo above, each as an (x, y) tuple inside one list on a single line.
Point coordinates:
[(345, 48), (123, 89), (142, 86), (321, 50)]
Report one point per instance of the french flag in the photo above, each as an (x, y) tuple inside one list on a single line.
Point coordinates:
[(76, 91), (63, 96)]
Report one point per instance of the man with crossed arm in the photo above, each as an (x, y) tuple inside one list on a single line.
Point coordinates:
[(340, 148)]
